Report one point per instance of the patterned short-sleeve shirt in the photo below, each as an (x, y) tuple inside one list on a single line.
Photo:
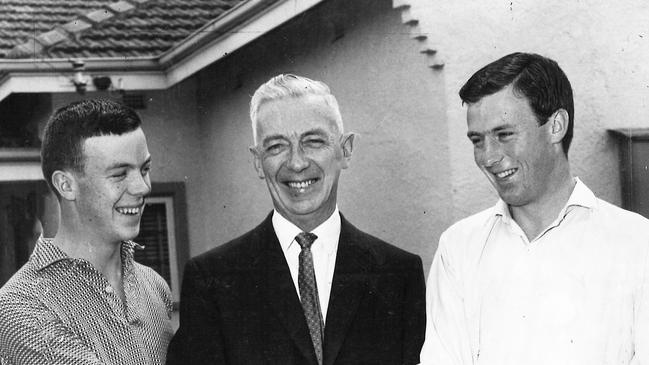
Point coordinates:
[(61, 310)]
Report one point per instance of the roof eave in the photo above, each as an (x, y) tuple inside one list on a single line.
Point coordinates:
[(206, 47), (37, 65), (214, 29), (238, 27), (55, 75)]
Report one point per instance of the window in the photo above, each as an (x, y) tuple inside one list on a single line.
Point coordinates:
[(163, 233), (157, 234), (21, 116)]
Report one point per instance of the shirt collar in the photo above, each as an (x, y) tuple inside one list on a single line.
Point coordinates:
[(328, 231), (47, 253), (581, 196)]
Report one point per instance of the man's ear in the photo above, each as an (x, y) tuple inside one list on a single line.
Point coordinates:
[(558, 125), (256, 161), (347, 144), (65, 183)]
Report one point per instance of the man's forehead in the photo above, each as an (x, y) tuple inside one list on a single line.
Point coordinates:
[(498, 109), (112, 138), (296, 117), (116, 149)]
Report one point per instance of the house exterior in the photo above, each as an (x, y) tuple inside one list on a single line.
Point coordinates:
[(395, 67)]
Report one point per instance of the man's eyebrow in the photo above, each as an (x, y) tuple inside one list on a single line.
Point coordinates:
[(118, 165), (493, 130), (271, 138), (502, 127), (121, 165), (316, 131)]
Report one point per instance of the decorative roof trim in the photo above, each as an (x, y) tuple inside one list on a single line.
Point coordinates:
[(39, 44), (219, 26), (239, 26), (409, 18), (222, 44)]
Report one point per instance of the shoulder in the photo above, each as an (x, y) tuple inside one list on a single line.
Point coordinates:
[(236, 254), (620, 216), (621, 224), (21, 289), (21, 311), (382, 252), (466, 236), (153, 279), (467, 226)]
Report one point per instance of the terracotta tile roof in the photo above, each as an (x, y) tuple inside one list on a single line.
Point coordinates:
[(101, 28), (21, 20)]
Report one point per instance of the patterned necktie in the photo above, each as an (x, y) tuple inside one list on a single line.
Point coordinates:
[(309, 292)]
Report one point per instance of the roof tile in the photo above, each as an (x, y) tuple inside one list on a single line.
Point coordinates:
[(26, 50), (76, 26), (102, 28), (51, 37), (99, 16), (121, 6)]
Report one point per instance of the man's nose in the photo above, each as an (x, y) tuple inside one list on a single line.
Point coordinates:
[(492, 152), (140, 185), (297, 160)]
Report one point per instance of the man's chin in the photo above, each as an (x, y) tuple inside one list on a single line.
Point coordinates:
[(129, 235), (513, 200)]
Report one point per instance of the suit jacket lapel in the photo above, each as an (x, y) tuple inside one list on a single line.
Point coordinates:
[(280, 291), (348, 287)]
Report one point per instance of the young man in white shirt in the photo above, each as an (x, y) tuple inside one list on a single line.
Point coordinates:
[(551, 274)]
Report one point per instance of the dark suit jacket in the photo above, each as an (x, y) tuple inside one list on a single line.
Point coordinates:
[(239, 305)]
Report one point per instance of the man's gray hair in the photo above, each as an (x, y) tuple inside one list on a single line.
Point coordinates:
[(288, 85)]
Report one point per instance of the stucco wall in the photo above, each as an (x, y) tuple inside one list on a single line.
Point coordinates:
[(398, 184), (603, 46)]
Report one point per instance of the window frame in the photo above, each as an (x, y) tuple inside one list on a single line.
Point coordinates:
[(176, 192)]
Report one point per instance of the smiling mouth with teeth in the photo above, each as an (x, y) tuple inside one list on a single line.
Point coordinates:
[(506, 173), (300, 185), (130, 211)]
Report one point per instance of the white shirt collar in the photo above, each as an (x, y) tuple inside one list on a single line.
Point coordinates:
[(581, 196), (327, 232)]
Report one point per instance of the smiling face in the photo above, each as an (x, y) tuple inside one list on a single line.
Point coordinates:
[(511, 148), (300, 154), (110, 191)]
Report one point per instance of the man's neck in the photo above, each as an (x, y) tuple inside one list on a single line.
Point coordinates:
[(104, 256), (309, 222), (534, 217)]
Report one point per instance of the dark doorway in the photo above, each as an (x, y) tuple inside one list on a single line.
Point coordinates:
[(22, 207)]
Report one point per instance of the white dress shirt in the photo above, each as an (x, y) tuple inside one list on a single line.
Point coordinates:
[(576, 295), (324, 250)]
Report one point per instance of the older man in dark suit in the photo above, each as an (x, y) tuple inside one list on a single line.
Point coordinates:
[(305, 286)]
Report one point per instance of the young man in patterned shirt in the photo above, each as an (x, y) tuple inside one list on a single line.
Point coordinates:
[(81, 299)]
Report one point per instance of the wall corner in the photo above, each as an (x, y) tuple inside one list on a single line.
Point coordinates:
[(411, 16)]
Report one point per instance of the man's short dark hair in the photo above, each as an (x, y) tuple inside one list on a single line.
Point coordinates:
[(538, 78), (71, 125)]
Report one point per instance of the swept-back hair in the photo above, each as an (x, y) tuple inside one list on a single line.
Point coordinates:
[(71, 125), (538, 78), (289, 85)]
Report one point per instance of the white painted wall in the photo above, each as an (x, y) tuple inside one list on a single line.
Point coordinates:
[(603, 46)]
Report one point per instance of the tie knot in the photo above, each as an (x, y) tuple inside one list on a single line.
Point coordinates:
[(305, 239)]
